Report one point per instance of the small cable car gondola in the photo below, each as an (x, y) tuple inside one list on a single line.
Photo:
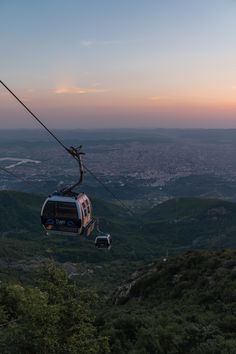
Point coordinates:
[(103, 241), (67, 212)]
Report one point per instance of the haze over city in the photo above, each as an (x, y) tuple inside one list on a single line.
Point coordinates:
[(136, 63)]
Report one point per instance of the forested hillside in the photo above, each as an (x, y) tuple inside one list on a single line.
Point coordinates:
[(184, 305), (166, 286), (175, 226)]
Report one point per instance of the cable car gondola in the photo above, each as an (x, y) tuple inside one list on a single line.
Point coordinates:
[(67, 212), (67, 215), (103, 241)]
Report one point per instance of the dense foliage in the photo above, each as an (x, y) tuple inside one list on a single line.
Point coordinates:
[(50, 318), (184, 305)]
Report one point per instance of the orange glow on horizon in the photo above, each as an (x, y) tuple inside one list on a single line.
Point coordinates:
[(84, 107)]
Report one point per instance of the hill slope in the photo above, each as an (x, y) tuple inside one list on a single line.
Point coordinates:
[(176, 225), (185, 305), (193, 223)]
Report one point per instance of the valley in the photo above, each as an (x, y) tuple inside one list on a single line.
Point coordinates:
[(167, 285)]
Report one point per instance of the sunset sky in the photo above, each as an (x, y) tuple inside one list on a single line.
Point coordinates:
[(124, 63)]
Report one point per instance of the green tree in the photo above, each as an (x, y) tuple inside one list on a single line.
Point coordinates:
[(52, 318)]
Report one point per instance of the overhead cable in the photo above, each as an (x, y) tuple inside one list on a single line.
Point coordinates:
[(69, 150), (14, 175)]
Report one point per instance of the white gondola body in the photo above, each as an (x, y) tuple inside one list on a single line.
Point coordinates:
[(103, 241), (67, 215)]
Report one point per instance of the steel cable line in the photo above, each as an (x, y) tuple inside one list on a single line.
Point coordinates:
[(69, 150), (35, 117), (16, 176), (108, 190)]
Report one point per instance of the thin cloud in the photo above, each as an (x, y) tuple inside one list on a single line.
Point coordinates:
[(78, 90), (86, 43), (91, 43), (159, 98)]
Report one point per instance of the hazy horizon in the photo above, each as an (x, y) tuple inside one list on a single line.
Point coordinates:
[(117, 129), (38, 129)]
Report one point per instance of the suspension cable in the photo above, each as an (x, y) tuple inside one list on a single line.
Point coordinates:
[(16, 176), (109, 191), (35, 117), (71, 150)]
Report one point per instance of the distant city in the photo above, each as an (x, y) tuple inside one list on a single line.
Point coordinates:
[(138, 165)]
